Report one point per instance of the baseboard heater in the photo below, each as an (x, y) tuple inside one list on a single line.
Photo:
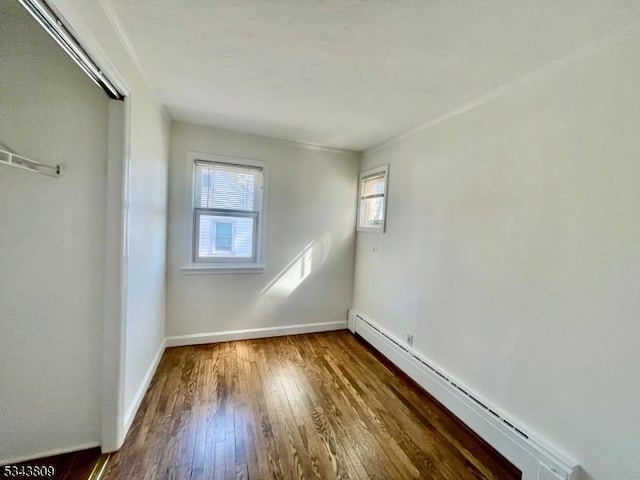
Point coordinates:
[(534, 458)]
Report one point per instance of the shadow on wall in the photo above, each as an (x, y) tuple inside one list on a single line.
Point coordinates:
[(309, 260), (581, 474)]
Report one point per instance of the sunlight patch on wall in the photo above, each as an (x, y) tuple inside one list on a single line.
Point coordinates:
[(309, 260)]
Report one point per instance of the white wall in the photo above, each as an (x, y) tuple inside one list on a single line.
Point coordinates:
[(310, 205), (51, 246), (512, 253), (147, 247), (146, 140)]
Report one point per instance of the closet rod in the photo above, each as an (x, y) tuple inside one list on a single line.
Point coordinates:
[(18, 161), (54, 25)]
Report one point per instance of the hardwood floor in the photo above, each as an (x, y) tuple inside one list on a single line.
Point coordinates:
[(316, 406)]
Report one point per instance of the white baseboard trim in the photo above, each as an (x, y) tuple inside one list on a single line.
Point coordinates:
[(48, 453), (249, 334), (142, 390), (533, 457)]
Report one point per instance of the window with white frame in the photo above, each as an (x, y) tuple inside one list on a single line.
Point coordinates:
[(372, 202), (227, 212)]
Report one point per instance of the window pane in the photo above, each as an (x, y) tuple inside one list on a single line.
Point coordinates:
[(224, 229), (372, 213), (226, 186), (223, 240), (226, 236)]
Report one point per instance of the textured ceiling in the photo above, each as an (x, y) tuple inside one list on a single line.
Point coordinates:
[(347, 74)]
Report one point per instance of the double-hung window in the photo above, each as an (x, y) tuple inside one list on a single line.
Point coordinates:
[(227, 212), (373, 200)]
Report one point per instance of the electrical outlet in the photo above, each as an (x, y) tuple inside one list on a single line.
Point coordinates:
[(410, 339)]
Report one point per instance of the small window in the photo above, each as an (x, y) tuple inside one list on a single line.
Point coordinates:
[(227, 212), (224, 237), (373, 200)]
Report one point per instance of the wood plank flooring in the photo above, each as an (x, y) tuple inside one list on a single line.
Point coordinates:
[(318, 406)]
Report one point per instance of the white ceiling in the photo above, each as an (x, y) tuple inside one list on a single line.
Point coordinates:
[(347, 73)]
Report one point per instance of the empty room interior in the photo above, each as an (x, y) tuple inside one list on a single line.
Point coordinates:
[(320, 239)]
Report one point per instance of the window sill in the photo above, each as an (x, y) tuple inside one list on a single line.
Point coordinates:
[(379, 229), (221, 269)]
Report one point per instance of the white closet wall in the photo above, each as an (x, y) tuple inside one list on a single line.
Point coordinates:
[(51, 246)]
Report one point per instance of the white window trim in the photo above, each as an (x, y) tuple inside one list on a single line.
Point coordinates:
[(192, 268), (368, 173)]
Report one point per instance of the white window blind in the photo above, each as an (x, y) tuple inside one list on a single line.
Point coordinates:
[(227, 203), (221, 185), (373, 185)]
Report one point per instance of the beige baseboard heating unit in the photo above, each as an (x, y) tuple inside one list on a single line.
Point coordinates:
[(535, 459)]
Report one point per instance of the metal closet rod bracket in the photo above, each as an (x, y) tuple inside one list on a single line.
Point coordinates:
[(12, 159)]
